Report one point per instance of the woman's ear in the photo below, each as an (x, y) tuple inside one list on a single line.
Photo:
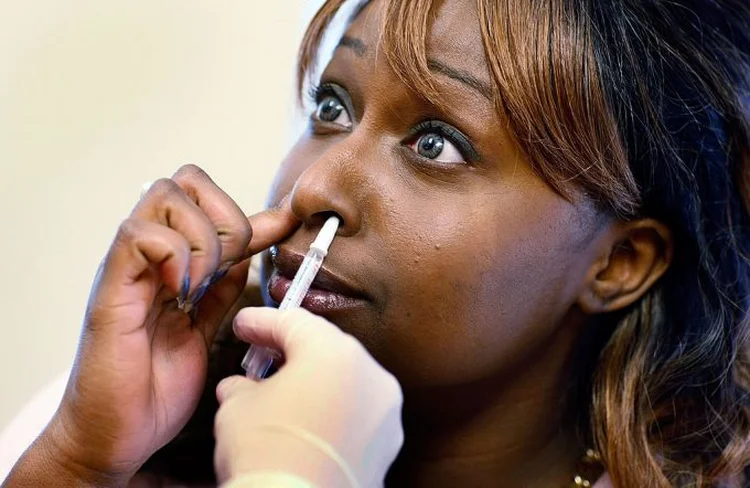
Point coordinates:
[(634, 255)]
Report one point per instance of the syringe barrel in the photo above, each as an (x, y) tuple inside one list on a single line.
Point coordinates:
[(259, 360), (303, 279)]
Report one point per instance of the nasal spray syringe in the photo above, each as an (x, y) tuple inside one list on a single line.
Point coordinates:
[(258, 360)]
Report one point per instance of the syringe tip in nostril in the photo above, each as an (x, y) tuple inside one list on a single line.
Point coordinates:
[(327, 233)]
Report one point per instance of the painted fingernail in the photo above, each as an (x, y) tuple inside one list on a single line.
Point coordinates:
[(184, 293), (200, 291), (222, 271)]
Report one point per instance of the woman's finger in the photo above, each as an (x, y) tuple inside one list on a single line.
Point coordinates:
[(123, 290), (230, 222), (167, 204), (271, 226)]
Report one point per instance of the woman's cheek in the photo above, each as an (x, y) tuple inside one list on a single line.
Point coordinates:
[(434, 312)]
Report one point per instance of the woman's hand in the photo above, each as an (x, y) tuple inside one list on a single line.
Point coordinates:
[(142, 361), (330, 414)]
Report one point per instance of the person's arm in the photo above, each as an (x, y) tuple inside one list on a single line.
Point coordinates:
[(46, 464)]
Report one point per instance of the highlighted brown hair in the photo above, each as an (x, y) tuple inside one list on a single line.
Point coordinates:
[(643, 107)]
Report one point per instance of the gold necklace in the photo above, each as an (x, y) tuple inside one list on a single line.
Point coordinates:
[(588, 470)]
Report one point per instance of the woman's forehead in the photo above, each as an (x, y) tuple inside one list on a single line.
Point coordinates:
[(455, 39)]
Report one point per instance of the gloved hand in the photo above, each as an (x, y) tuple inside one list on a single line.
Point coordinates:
[(331, 414)]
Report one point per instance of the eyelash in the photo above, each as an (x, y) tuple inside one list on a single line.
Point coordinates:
[(316, 93), (459, 140)]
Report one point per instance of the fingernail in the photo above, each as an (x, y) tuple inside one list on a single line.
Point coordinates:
[(221, 272), (200, 291), (184, 293)]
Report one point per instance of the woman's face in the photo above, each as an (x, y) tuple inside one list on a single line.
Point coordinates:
[(458, 261)]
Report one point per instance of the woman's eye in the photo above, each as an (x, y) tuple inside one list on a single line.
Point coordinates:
[(432, 145), (331, 110)]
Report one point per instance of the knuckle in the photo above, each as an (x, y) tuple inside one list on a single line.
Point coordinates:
[(393, 388), (163, 187), (244, 232), (236, 238), (226, 413), (212, 242), (220, 419), (205, 243), (189, 172), (128, 231), (398, 439), (388, 386)]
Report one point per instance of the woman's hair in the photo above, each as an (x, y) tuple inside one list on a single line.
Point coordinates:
[(643, 107)]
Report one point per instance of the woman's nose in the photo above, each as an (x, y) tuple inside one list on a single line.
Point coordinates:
[(328, 187)]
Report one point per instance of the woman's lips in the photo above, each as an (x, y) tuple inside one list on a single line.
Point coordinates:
[(317, 300), (329, 293)]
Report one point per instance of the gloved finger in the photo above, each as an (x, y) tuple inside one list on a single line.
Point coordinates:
[(232, 386), (291, 332)]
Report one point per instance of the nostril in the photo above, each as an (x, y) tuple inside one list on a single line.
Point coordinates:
[(320, 218)]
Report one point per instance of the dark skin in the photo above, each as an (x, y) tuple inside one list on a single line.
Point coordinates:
[(479, 277), (478, 280)]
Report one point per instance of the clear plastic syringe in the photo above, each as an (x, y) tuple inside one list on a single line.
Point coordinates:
[(258, 360)]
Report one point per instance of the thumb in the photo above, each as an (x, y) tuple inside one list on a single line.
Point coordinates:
[(289, 331), (271, 226), (232, 386)]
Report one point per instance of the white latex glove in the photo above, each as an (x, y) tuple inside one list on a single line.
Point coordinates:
[(331, 414)]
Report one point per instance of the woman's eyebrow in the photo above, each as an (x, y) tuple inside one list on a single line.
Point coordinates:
[(463, 76), (357, 45), (360, 49)]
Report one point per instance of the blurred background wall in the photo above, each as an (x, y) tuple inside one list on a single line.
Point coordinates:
[(98, 97)]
